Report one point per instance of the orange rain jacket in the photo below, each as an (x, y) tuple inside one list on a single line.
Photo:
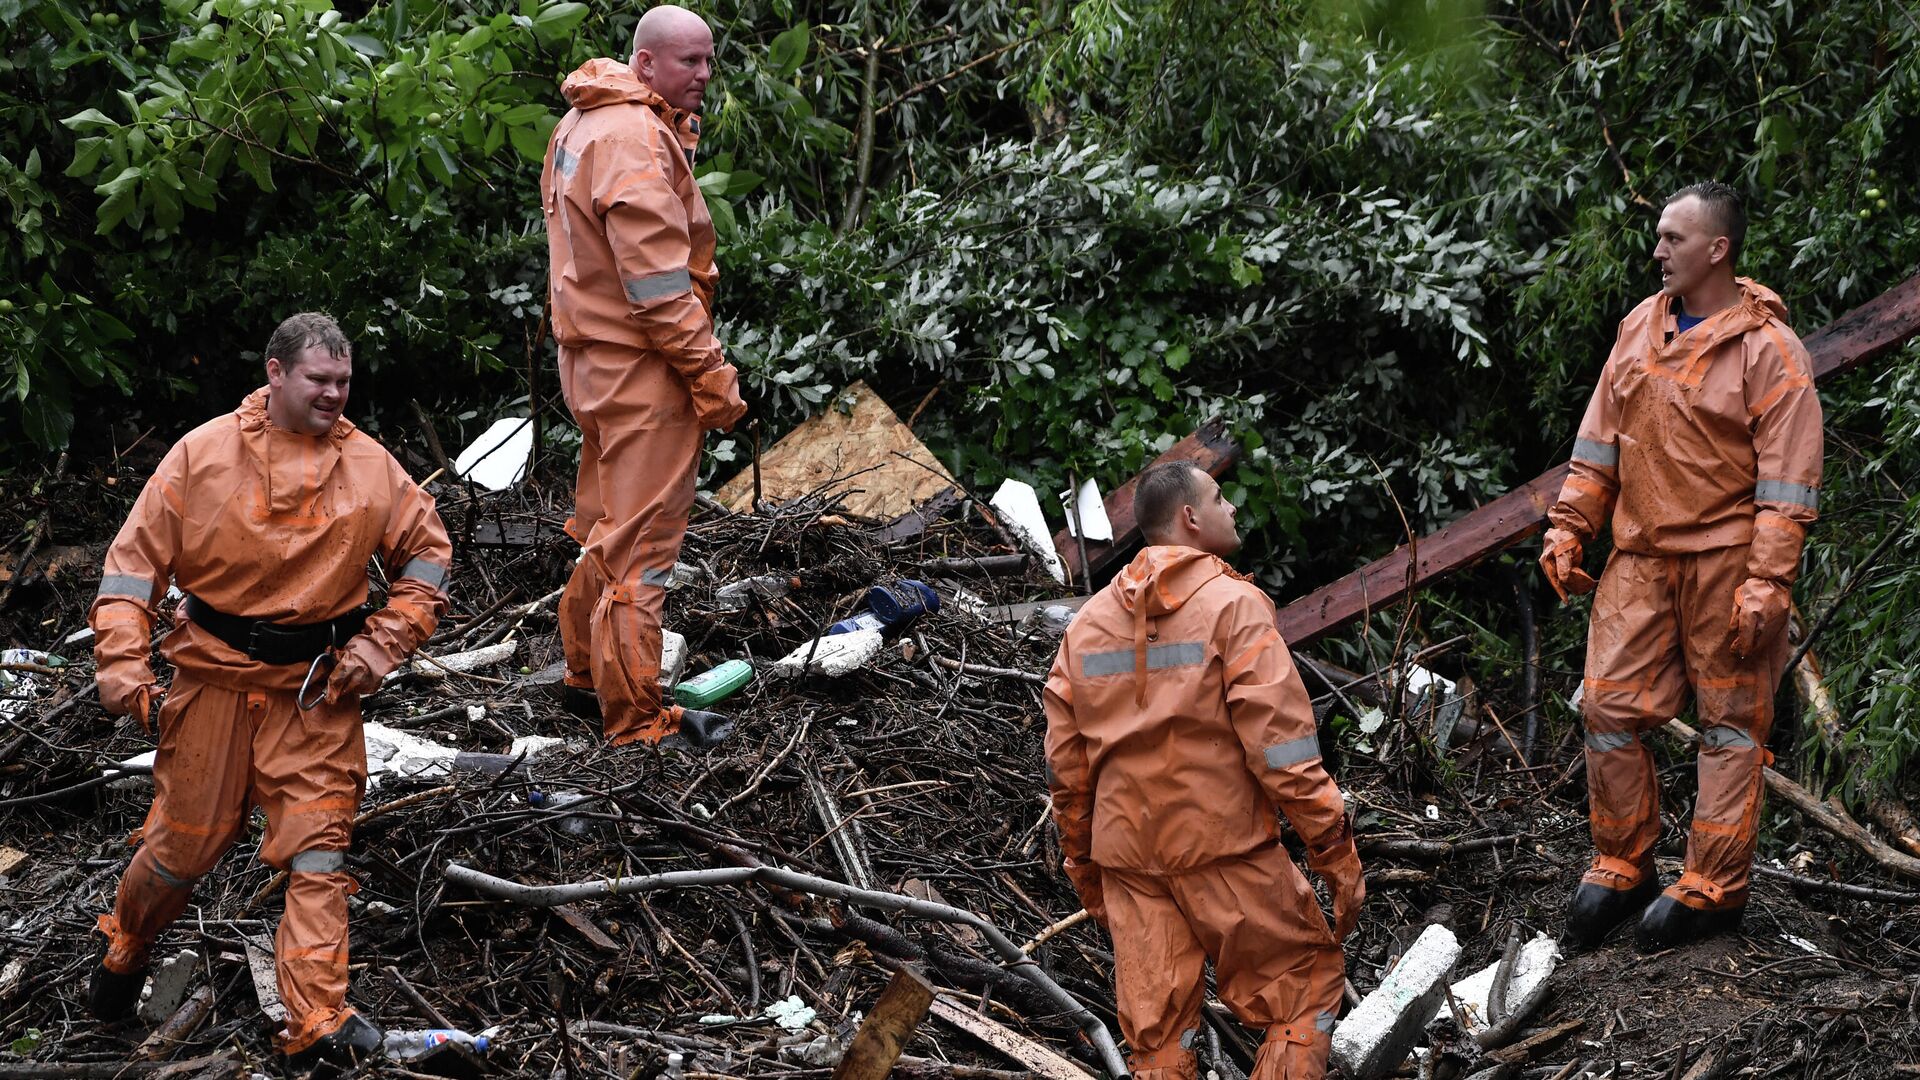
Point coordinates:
[(273, 525), (1152, 767), (630, 239), (1704, 440)]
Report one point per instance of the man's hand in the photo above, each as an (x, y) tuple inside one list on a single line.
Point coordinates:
[(1087, 884), (716, 398), (1560, 561), (1759, 615), (351, 678), (131, 696), (1339, 864)]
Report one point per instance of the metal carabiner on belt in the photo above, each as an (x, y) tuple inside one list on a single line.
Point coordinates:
[(301, 699)]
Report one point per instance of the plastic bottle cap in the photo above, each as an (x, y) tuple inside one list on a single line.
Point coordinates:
[(480, 1043)]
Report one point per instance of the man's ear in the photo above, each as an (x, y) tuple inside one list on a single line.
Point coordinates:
[(1718, 249)]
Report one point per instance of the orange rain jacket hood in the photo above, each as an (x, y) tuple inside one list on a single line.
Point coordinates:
[(1702, 440), (1176, 723)]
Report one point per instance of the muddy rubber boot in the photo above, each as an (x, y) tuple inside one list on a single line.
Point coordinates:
[(699, 730), (1668, 922), (580, 701), (352, 1042), (113, 996), (1595, 910)]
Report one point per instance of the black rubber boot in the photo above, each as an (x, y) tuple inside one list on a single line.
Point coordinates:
[(1668, 922), (581, 702), (352, 1042), (113, 996), (699, 730), (1595, 910)]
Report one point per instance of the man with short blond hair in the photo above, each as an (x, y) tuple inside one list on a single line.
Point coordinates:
[(266, 518), (631, 286)]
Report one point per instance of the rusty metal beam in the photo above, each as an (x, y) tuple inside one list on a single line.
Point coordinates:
[(1867, 332)]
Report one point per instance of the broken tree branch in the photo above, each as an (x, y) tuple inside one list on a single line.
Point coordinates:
[(553, 895)]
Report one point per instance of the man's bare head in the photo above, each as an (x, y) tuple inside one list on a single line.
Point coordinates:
[(673, 53), (1176, 503)]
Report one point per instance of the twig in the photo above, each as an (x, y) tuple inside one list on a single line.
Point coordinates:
[(994, 672), (760, 777), (1838, 888), (1023, 965), (33, 542), (1043, 936), (1854, 577)]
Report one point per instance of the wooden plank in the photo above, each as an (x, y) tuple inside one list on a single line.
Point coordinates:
[(10, 859), (1211, 448), (1037, 1058), (574, 917), (876, 1046), (915, 521), (1865, 333), (856, 448)]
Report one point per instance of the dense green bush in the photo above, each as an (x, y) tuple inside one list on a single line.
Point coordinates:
[(1389, 238)]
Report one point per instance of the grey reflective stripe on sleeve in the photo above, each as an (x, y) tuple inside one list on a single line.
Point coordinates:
[(1602, 741), (1293, 751), (422, 570), (657, 286), (1719, 737), (564, 163), (1189, 1037), (1788, 492), (1159, 657), (317, 862), (1598, 453), (1053, 778), (173, 880), (1323, 1022), (656, 577), (132, 585)]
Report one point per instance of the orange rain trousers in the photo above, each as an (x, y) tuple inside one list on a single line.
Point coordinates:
[(1276, 963), (1662, 627), (639, 461), (222, 751)]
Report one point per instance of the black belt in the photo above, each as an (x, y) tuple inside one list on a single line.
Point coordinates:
[(276, 643)]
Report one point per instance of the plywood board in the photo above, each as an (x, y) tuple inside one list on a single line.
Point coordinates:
[(857, 446)]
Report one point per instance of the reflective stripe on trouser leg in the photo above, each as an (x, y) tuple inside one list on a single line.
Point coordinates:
[(1734, 699), (310, 956), (1635, 680), (149, 898), (647, 476), (1158, 973)]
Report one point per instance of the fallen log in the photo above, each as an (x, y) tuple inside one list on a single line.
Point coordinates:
[(1866, 332), (1210, 448), (1884, 810)]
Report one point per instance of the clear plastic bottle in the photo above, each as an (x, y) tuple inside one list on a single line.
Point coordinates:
[(676, 1067), (414, 1045)]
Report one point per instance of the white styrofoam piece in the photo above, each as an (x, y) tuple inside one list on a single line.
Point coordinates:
[(1019, 510), (471, 660), (835, 655), (404, 753), (673, 657), (1089, 513), (792, 1013), (1381, 1031), (533, 745), (1533, 965), (85, 633), (168, 987), (498, 458)]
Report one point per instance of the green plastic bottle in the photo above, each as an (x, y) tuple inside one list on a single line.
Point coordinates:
[(718, 684)]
